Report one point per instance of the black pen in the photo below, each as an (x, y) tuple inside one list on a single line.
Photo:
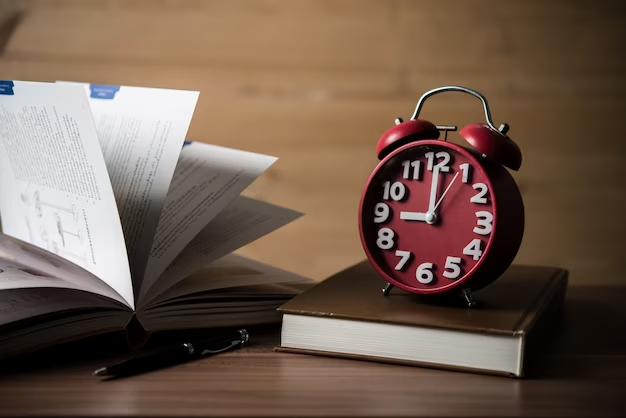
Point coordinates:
[(174, 354)]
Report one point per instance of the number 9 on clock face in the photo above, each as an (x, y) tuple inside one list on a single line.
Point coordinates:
[(428, 216)]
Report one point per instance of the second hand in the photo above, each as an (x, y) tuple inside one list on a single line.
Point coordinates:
[(445, 191)]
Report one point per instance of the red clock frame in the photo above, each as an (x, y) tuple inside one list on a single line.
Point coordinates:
[(507, 225)]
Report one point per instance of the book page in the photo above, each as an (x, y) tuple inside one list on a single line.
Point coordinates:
[(49, 316), (19, 304), (242, 222), (247, 293), (18, 276), (55, 191), (206, 180), (141, 132), (26, 265), (228, 272)]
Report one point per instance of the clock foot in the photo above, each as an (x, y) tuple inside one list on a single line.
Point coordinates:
[(469, 299), (387, 289)]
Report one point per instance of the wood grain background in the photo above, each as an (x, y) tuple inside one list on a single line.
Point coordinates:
[(316, 83)]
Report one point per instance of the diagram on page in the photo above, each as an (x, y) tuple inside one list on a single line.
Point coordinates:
[(55, 191), (55, 225)]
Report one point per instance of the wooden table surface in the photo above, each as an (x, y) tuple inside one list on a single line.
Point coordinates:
[(583, 373)]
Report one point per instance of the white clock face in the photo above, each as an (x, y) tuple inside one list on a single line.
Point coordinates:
[(427, 216)]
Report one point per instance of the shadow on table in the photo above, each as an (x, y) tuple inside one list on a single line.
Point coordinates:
[(101, 350), (588, 340)]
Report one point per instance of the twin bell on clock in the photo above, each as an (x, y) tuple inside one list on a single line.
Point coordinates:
[(439, 218)]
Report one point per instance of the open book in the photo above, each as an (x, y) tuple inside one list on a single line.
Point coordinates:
[(110, 218)]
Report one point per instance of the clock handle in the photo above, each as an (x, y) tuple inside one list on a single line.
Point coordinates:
[(503, 128)]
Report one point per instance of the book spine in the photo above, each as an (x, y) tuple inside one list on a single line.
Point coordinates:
[(136, 334)]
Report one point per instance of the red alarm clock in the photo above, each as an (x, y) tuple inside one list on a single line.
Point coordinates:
[(436, 217)]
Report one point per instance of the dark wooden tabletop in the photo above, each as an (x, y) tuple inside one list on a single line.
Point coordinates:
[(581, 373)]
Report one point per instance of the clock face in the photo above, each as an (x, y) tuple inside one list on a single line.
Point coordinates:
[(427, 216)]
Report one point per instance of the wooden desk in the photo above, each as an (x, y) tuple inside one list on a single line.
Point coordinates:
[(583, 373)]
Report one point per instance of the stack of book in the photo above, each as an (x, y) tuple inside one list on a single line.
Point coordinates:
[(347, 316)]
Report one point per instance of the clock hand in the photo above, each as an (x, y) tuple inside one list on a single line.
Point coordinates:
[(446, 191), (413, 216), (429, 217), (433, 190)]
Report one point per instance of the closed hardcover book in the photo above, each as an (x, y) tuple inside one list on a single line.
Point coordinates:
[(348, 316)]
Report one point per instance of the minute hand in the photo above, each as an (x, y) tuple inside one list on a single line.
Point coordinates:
[(433, 190)]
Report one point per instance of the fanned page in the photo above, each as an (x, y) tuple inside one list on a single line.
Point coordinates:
[(141, 132), (206, 180), (247, 293), (243, 221), (24, 265), (55, 191), (20, 304), (230, 271)]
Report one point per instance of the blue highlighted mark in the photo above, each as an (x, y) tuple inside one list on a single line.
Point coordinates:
[(6, 87), (103, 91)]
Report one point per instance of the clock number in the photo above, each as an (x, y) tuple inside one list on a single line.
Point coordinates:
[(452, 263), (480, 197), (442, 165), (423, 273), (386, 186), (381, 212), (431, 158), (406, 173), (466, 172), (396, 190), (473, 249), (485, 220), (405, 256), (385, 238)]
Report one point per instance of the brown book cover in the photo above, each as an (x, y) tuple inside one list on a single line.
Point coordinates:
[(519, 305)]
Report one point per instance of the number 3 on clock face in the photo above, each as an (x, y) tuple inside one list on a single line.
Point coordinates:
[(428, 216)]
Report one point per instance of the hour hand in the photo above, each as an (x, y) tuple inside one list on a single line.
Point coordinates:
[(413, 216)]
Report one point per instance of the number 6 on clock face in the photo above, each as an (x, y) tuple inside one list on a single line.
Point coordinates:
[(424, 274)]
